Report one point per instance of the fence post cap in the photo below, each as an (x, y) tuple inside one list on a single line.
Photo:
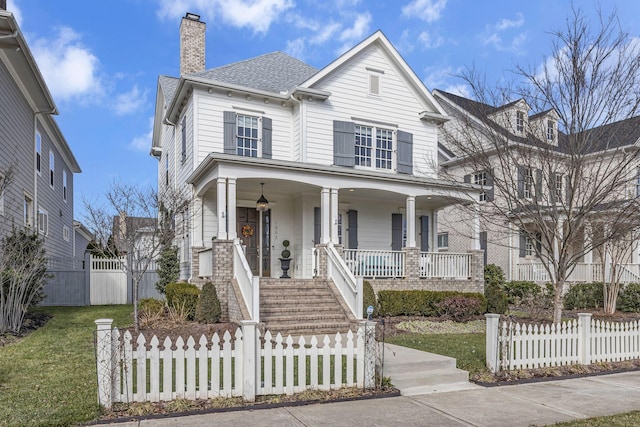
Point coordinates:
[(491, 316), (585, 314), (248, 323), (104, 322)]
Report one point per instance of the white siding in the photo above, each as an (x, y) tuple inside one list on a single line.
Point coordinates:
[(398, 104)]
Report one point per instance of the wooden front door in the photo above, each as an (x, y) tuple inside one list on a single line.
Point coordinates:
[(249, 229)]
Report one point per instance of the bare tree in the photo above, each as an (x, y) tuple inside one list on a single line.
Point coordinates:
[(137, 222), (549, 184)]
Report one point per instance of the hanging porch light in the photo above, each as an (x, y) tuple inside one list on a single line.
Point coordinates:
[(262, 205)]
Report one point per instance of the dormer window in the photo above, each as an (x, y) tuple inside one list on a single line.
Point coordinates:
[(550, 130), (520, 121)]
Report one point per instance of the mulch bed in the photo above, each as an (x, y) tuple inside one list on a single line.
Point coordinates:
[(32, 321)]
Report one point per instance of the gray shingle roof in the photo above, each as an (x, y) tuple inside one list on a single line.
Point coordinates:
[(168, 86), (273, 72)]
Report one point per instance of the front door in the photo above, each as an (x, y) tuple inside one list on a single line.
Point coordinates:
[(249, 229)]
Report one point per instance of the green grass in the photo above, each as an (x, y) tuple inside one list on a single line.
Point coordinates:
[(468, 349), (49, 377), (619, 420)]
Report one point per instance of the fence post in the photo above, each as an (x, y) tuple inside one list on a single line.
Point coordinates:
[(366, 363), (87, 277), (584, 338), (104, 362), (249, 361), (493, 321)]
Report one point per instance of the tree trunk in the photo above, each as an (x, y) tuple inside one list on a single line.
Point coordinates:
[(136, 320), (558, 301)]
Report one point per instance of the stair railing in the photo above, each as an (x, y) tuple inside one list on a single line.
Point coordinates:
[(248, 283), (348, 285)]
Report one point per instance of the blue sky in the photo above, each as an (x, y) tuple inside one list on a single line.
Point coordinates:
[(101, 59)]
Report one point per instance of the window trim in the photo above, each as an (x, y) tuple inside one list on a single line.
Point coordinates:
[(183, 130), (52, 168), (38, 153), (64, 185), (43, 224), (374, 76), (374, 148), (481, 178), (550, 130), (520, 121), (443, 237), (66, 233), (559, 178), (258, 139), (27, 206), (528, 183)]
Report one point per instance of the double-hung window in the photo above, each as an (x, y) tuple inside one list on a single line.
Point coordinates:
[(38, 152), (52, 168), (550, 129), (374, 147), (28, 210), (480, 178), (558, 189), (528, 183), (520, 121), (443, 240), (43, 222), (64, 185), (247, 135), (529, 249)]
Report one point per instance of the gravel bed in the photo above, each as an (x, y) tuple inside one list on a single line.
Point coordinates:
[(445, 327)]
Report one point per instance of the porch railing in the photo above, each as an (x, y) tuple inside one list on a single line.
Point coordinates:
[(349, 286), (445, 265), (249, 285), (583, 272), (373, 263)]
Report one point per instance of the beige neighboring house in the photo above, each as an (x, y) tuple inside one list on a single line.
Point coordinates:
[(503, 243)]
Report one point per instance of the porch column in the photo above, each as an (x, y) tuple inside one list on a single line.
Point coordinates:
[(635, 256), (221, 207), (411, 222), (197, 216), (324, 213), (231, 211), (588, 255), (434, 232), (334, 216), (476, 227)]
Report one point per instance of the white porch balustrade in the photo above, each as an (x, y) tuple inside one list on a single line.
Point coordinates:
[(373, 263), (583, 272), (349, 286), (248, 283), (445, 265)]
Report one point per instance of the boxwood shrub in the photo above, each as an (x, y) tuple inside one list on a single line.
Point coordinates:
[(183, 296), (421, 303), (584, 295), (629, 298), (521, 290)]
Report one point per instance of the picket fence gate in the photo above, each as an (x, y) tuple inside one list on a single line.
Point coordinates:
[(583, 341), (245, 366)]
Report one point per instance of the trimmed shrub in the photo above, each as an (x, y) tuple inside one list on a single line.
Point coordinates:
[(584, 295), (629, 298), (208, 310), (168, 267), (460, 308), (368, 298), (493, 292), (420, 303), (183, 297), (521, 290)]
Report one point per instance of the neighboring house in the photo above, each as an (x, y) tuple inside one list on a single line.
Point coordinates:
[(548, 185), (82, 236), (137, 233), (40, 194), (344, 157)]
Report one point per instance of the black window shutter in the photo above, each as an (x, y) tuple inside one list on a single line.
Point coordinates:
[(266, 138), (230, 143), (424, 233), (184, 138), (353, 229), (467, 179), (344, 141), (521, 182), (568, 190), (317, 224), (523, 245), (552, 188), (489, 191), (539, 242), (405, 152), (538, 185), (483, 245), (396, 232)]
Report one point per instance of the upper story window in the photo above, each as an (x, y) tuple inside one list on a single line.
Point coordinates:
[(38, 152), (528, 183), (443, 240), (66, 233), (43, 222), (558, 189), (52, 168), (64, 185), (550, 130), (480, 178), (247, 135), (28, 210), (374, 147), (520, 121), (529, 249)]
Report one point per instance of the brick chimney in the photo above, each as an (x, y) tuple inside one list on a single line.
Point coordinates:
[(192, 45), (3, 4)]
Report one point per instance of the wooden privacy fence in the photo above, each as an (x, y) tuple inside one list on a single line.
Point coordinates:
[(245, 365), (584, 341)]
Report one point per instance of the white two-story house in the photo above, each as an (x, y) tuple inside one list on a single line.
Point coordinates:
[(341, 159)]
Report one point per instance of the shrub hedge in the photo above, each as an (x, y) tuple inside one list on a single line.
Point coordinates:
[(521, 290), (183, 296), (584, 295), (368, 298), (421, 303), (629, 298)]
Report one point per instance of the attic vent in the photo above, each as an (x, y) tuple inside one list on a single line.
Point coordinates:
[(374, 84)]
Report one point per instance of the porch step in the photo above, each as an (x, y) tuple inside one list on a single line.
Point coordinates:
[(418, 372), (301, 307)]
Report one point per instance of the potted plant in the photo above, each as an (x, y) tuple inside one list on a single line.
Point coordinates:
[(285, 261)]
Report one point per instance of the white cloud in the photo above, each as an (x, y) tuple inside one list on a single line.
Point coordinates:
[(130, 102), (505, 24), (354, 34), (12, 7), (142, 142), (427, 10), (255, 14), (406, 45), (494, 35), (296, 48), (428, 42), (69, 68), (460, 89)]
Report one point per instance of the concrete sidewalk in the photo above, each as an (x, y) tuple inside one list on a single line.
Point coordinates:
[(517, 405)]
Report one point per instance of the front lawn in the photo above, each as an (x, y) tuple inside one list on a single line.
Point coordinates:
[(619, 420), (49, 377)]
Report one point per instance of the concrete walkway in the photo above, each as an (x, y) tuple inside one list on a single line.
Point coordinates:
[(536, 404)]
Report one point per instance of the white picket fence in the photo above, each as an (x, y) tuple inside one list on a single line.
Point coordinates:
[(239, 366), (584, 341)]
